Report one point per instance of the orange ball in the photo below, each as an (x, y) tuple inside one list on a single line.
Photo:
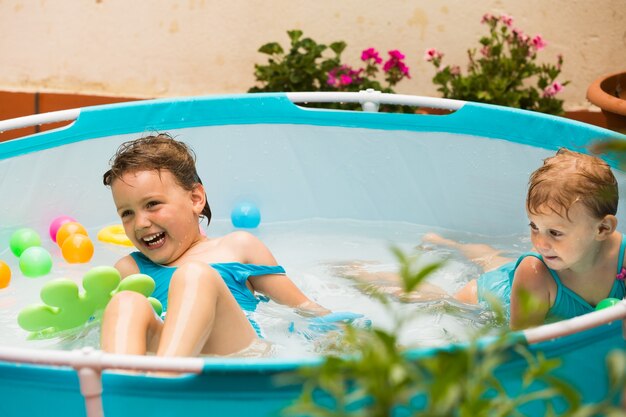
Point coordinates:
[(5, 275), (68, 229), (77, 249)]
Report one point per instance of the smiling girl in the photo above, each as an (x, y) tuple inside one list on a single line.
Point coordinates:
[(206, 284)]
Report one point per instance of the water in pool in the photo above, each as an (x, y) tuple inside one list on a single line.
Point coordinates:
[(312, 253)]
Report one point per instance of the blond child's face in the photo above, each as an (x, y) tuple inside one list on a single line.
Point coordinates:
[(159, 216), (565, 242)]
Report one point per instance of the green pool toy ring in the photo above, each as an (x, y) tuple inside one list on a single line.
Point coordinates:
[(65, 308)]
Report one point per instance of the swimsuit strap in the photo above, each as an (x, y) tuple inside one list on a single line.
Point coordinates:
[(538, 256), (621, 271)]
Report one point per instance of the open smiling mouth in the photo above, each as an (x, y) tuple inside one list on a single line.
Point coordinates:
[(155, 240)]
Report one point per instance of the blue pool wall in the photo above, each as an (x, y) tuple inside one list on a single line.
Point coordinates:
[(464, 171)]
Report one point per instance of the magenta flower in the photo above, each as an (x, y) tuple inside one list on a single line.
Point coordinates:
[(431, 54), (371, 53), (343, 76), (553, 89), (539, 43), (396, 54), (395, 62)]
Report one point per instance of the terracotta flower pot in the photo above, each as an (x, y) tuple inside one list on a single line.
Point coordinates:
[(609, 93)]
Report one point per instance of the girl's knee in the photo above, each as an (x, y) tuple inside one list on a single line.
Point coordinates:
[(129, 306), (196, 273), (127, 299)]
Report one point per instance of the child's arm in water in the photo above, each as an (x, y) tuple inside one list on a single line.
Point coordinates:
[(530, 294), (279, 288)]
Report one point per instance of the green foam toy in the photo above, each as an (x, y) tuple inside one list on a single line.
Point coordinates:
[(65, 308)]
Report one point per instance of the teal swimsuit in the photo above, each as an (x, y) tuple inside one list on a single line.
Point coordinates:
[(567, 303), (234, 274)]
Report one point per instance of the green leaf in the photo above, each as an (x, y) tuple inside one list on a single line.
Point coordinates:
[(294, 35), (271, 48), (338, 47)]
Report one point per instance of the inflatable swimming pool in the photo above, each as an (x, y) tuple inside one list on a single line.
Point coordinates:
[(462, 171)]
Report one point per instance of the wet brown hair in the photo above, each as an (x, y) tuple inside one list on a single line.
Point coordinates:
[(157, 152), (570, 177)]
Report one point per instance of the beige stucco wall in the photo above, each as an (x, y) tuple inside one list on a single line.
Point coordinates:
[(159, 48)]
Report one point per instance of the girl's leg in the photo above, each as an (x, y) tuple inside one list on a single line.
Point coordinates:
[(202, 315), (468, 294), (130, 325), (482, 255)]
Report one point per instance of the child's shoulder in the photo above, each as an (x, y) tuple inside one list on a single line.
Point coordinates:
[(532, 271), (248, 248), (127, 266), (240, 237)]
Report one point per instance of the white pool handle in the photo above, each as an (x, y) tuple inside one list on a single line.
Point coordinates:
[(39, 119), (371, 99)]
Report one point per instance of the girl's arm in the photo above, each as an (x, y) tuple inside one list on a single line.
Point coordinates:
[(277, 287), (530, 294), (127, 266)]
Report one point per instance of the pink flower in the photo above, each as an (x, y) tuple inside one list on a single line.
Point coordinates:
[(396, 54), (343, 75), (455, 70), (539, 43), (371, 53), (395, 61), (506, 19), (520, 36), (485, 51), (486, 18), (553, 89), (431, 54), (345, 79)]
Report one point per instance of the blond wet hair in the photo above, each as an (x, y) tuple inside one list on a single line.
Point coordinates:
[(572, 177)]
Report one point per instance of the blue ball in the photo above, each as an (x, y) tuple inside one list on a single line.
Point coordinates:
[(245, 215)]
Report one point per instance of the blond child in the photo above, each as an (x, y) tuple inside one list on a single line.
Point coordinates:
[(203, 283), (577, 257)]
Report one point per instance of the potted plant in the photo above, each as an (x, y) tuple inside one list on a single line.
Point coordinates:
[(609, 93), (504, 71)]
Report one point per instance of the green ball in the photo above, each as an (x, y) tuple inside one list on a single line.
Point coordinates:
[(35, 262), (23, 239), (607, 302)]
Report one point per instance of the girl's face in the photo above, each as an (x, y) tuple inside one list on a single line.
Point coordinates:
[(159, 216), (564, 242)]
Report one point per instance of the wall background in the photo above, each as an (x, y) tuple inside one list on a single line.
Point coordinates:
[(164, 48)]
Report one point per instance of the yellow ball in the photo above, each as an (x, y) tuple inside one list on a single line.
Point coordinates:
[(77, 249), (5, 275)]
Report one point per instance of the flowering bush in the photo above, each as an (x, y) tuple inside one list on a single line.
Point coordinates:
[(504, 72), (304, 68)]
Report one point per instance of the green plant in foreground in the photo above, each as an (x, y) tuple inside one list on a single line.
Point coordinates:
[(371, 374), (503, 72)]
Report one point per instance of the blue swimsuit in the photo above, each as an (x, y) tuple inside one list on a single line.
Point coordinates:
[(234, 274), (567, 303)]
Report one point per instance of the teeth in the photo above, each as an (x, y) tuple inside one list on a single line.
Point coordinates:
[(154, 239)]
